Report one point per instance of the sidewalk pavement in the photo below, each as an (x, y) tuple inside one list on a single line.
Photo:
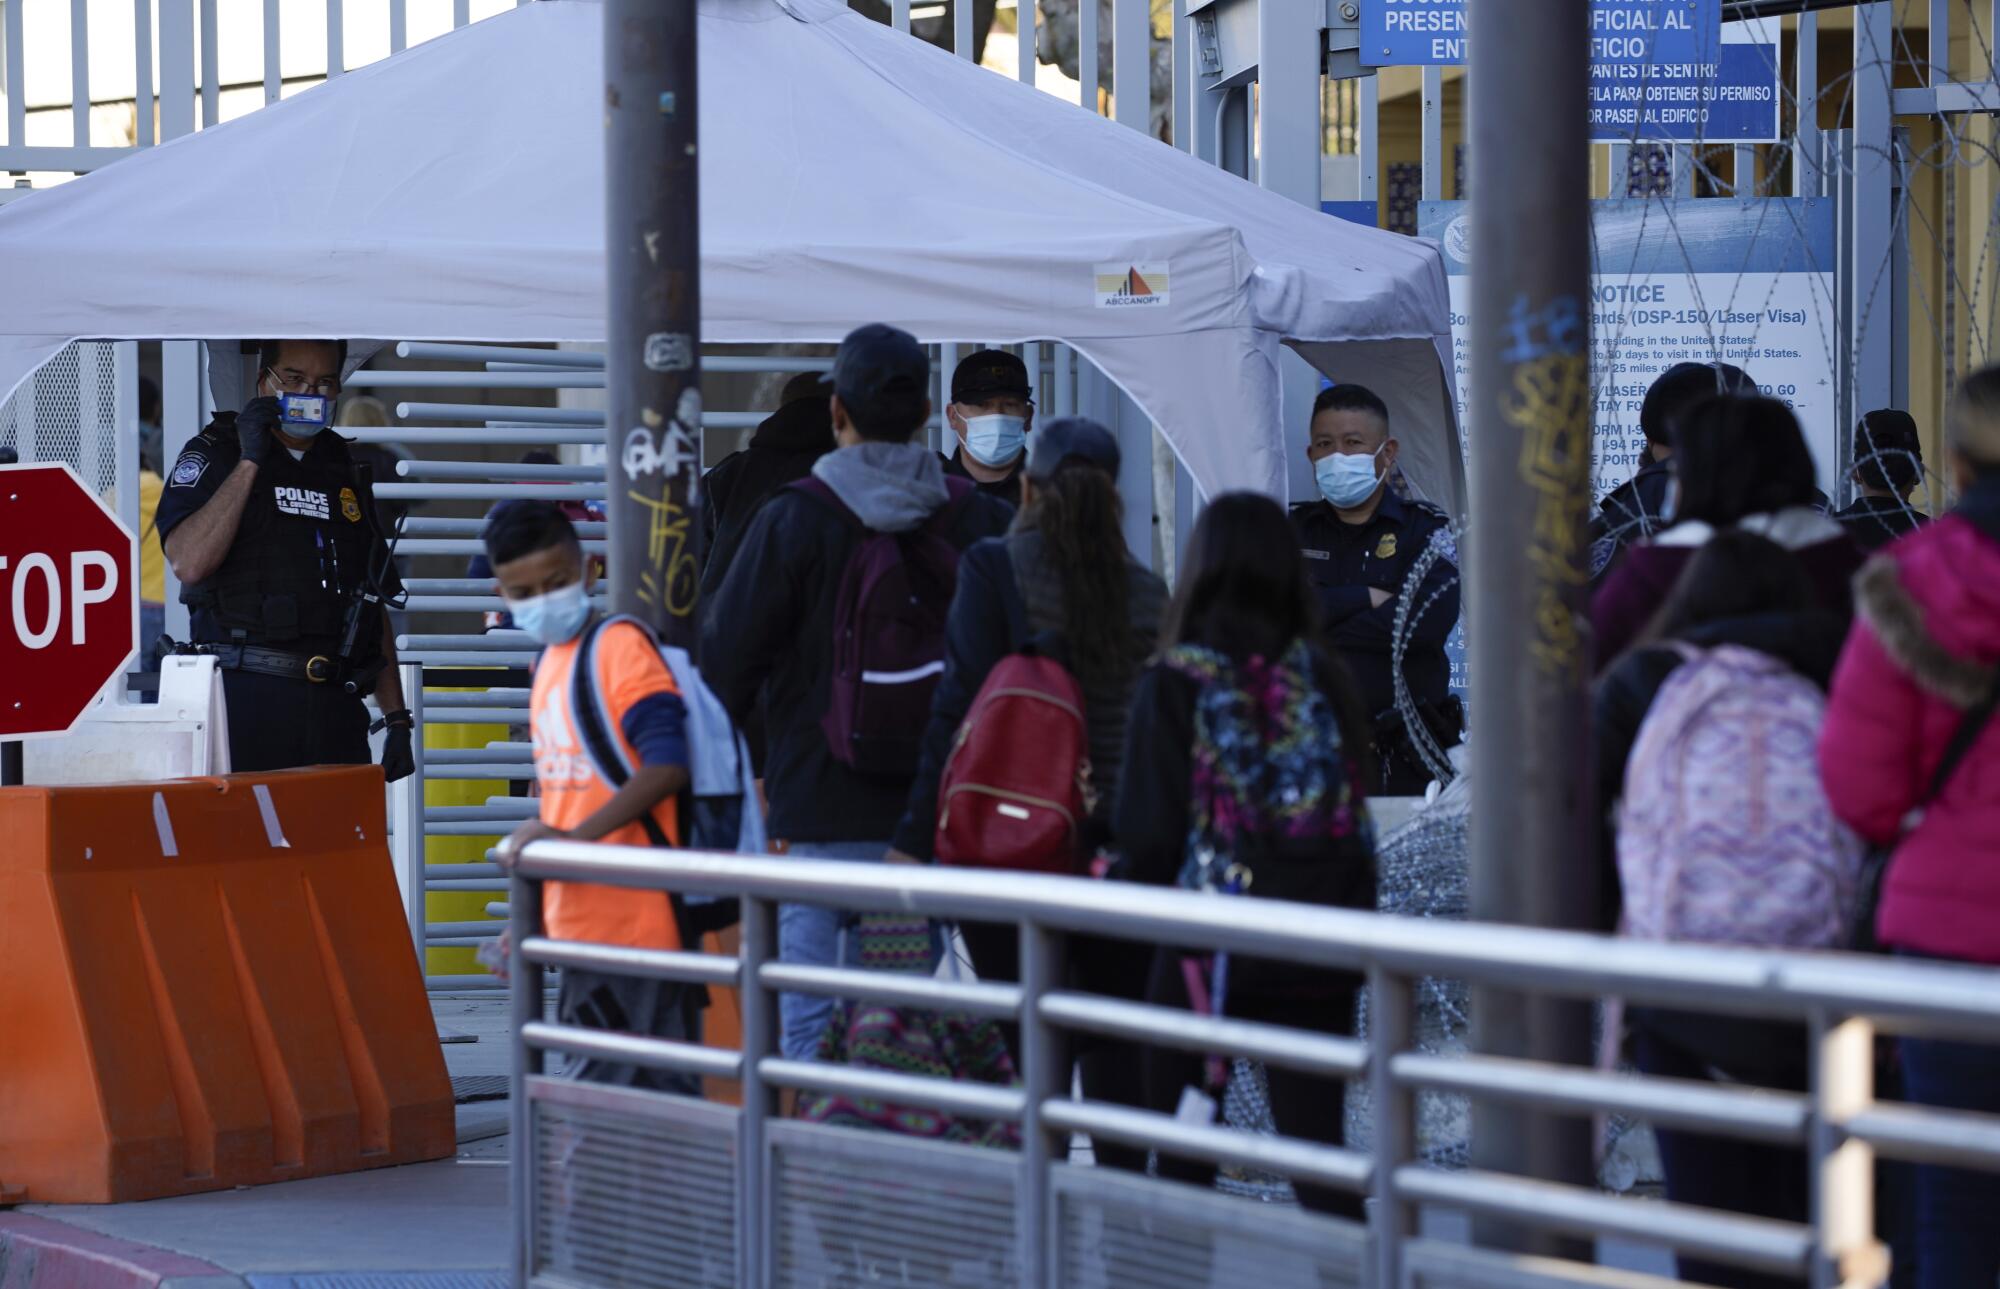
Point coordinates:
[(440, 1225)]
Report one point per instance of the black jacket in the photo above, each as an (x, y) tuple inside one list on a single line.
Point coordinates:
[(1007, 489), (1874, 522), (1152, 821), (1344, 561), (1634, 510), (1809, 643), (782, 451), (991, 618), (769, 629)]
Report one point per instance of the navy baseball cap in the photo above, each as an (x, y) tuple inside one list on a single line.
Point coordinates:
[(1073, 438), (989, 373), (875, 360)]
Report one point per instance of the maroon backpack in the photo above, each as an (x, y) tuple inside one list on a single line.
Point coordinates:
[(889, 636), (1016, 788)]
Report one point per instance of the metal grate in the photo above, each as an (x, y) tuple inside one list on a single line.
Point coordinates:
[(632, 1189), (1116, 1231), (479, 1087), (68, 411), (862, 1208)]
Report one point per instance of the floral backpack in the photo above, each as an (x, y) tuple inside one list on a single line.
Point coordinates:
[(909, 1040), (1276, 807)]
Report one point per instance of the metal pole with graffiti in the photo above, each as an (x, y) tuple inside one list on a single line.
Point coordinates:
[(653, 254), (1529, 422)]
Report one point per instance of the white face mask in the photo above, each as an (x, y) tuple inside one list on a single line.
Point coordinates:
[(554, 616), (1347, 479), (995, 440)]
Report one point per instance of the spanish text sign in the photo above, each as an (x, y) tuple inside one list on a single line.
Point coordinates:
[(1409, 33), (1731, 96)]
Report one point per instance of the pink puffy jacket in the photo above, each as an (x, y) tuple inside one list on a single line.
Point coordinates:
[(1925, 640)]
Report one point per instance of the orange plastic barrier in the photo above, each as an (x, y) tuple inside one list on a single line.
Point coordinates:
[(208, 983)]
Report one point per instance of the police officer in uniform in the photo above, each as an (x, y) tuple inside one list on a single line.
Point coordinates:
[(271, 532), (991, 412), (1361, 541)]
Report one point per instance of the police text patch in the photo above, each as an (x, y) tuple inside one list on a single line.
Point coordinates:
[(302, 501), (188, 471)]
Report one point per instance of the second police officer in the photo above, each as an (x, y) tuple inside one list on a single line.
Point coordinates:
[(1361, 542), (991, 412), (270, 530)]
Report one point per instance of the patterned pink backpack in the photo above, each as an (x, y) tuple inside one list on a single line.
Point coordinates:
[(1725, 835)]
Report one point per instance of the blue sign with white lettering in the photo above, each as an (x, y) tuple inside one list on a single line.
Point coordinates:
[(1409, 33), (1730, 98)]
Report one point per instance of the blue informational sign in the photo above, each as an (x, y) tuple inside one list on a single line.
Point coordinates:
[(1695, 280), (1729, 98), (1660, 70), (1410, 33)]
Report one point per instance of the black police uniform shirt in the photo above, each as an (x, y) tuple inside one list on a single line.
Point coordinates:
[(1007, 488), (303, 548), (1343, 561)]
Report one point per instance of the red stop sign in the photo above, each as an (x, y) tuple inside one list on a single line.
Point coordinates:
[(69, 590)]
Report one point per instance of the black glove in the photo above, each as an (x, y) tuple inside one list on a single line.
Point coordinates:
[(255, 426), (398, 761)]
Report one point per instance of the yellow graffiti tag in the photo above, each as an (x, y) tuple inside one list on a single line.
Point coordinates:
[(1549, 402), (671, 574)]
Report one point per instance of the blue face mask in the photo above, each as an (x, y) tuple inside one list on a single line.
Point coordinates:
[(995, 440), (553, 617), (1347, 479)]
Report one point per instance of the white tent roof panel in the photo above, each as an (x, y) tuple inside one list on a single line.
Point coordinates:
[(849, 174)]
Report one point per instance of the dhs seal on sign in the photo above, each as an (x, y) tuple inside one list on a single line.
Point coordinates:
[(1458, 239)]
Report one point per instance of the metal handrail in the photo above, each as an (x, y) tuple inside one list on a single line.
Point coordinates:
[(1727, 978), (1840, 997)]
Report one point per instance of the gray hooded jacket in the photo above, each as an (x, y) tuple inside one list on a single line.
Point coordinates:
[(890, 487)]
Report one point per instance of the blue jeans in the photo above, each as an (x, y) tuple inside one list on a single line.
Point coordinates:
[(810, 934), (1958, 1240), (152, 624)]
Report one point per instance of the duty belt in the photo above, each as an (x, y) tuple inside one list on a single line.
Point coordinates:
[(318, 669)]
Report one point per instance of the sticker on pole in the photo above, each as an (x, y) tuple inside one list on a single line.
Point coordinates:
[(69, 598), (1132, 286)]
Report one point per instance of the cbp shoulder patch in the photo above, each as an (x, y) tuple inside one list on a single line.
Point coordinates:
[(188, 470)]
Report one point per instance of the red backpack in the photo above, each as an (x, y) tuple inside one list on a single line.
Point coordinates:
[(1016, 787)]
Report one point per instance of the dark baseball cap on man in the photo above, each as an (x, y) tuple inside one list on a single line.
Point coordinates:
[(990, 373), (878, 360)]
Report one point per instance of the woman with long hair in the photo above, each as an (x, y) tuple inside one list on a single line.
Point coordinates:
[(1063, 579), (1739, 462), (1244, 772)]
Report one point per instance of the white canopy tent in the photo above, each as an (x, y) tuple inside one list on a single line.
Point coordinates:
[(849, 173)]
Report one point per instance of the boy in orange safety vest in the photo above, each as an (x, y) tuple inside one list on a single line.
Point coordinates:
[(542, 574)]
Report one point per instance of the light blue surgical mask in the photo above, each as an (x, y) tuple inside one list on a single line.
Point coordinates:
[(554, 616), (1347, 479), (995, 440)]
